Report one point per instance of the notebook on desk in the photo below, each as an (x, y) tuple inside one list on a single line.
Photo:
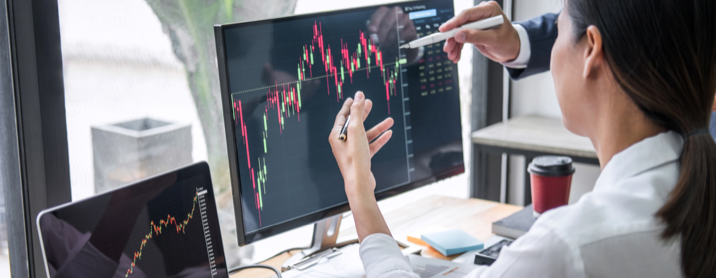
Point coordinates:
[(452, 241), (516, 224)]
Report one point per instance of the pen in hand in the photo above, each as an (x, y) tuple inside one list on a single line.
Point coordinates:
[(343, 136), (344, 131), (441, 36)]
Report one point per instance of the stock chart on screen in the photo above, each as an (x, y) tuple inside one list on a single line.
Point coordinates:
[(288, 79), (177, 227), (164, 226)]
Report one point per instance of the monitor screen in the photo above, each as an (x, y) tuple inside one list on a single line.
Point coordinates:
[(283, 82), (164, 226)]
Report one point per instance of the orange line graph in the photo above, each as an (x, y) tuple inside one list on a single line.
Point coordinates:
[(157, 230)]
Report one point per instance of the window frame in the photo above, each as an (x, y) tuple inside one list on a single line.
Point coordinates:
[(489, 106), (34, 127)]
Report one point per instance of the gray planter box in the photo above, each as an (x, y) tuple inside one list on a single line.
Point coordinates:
[(133, 150)]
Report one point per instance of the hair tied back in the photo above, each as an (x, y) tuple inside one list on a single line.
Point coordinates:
[(696, 132)]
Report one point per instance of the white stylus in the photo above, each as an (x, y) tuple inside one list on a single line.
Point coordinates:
[(438, 37)]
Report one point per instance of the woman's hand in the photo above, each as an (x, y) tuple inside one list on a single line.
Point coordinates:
[(353, 157), (354, 154), (500, 44)]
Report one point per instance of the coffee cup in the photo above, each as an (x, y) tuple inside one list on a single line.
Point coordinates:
[(551, 178)]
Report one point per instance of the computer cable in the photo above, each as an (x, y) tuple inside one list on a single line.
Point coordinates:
[(235, 269), (267, 266)]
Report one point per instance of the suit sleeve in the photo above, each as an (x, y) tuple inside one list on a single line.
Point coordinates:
[(542, 33)]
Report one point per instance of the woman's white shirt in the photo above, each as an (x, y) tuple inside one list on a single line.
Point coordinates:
[(609, 232)]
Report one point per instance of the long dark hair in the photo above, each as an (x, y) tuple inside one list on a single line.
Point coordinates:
[(663, 55)]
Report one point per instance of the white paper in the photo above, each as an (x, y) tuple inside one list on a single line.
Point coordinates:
[(345, 265), (348, 265), (429, 268)]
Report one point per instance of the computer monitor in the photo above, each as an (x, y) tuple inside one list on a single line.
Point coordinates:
[(284, 80), (163, 226)]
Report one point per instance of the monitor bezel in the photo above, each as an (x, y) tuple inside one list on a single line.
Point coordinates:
[(268, 231)]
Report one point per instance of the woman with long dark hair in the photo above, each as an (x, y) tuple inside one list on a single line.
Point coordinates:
[(638, 78)]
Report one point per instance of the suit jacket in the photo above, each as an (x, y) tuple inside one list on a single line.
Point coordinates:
[(542, 32)]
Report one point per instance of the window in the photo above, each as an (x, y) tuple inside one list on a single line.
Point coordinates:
[(141, 91), (4, 252), (142, 96)]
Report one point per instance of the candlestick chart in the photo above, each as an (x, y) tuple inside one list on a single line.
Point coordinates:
[(190, 225), (261, 171), (156, 230), (271, 122), (350, 62)]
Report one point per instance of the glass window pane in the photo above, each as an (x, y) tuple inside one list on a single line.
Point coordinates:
[(142, 91), (4, 253)]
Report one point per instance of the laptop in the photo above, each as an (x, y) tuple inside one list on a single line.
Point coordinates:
[(162, 226)]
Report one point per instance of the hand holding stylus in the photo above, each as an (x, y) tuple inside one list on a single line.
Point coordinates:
[(501, 44), (484, 24), (353, 157)]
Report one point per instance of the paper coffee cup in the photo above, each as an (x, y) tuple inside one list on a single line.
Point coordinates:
[(551, 178)]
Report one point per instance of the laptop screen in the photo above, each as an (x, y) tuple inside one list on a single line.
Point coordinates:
[(164, 226)]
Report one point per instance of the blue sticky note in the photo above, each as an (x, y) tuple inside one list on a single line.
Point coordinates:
[(452, 242)]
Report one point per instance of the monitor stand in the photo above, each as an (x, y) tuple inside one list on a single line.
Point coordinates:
[(325, 235)]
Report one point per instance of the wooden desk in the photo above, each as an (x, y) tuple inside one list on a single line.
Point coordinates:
[(472, 215), (529, 136)]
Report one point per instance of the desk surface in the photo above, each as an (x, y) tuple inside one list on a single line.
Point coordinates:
[(474, 216), (535, 133)]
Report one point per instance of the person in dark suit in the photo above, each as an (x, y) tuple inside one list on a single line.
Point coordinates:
[(524, 47)]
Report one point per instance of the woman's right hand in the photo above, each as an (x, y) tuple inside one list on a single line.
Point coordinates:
[(353, 155), (500, 44)]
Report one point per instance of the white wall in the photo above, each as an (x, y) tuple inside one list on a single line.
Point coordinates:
[(535, 95)]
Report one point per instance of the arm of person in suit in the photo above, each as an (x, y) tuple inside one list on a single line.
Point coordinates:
[(524, 47), (537, 37)]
